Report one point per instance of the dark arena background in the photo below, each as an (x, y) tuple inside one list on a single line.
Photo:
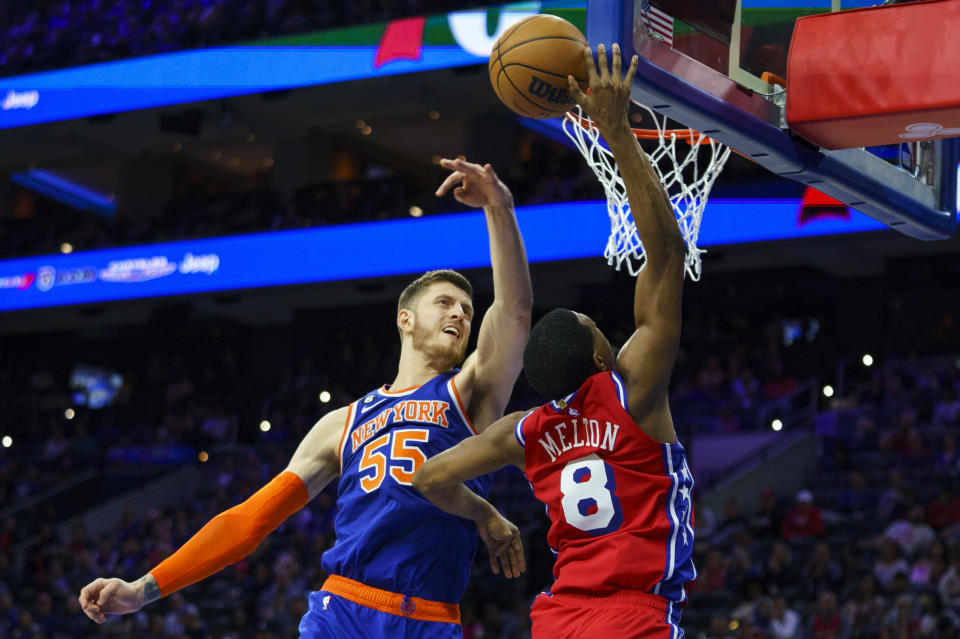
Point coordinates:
[(207, 212)]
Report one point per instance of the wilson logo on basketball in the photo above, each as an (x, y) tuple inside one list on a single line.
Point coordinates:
[(543, 89)]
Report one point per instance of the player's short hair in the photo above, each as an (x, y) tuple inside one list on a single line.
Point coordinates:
[(559, 354), (414, 288)]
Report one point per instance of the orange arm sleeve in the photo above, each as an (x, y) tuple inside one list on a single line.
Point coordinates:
[(233, 534)]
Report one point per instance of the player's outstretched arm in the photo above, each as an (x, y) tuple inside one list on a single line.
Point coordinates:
[(488, 375), (647, 359), (231, 535), (441, 478)]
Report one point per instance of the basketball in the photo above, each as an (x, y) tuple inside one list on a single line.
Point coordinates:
[(530, 63)]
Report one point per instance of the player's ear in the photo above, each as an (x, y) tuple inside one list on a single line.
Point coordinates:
[(405, 320), (600, 362)]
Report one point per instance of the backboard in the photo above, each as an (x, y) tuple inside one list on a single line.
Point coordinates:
[(713, 67)]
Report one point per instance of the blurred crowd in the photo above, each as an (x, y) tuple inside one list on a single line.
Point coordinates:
[(48, 34), (871, 547), (799, 563), (542, 172)]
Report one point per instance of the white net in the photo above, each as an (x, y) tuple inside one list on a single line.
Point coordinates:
[(686, 176)]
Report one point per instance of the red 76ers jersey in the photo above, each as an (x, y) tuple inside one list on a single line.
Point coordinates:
[(619, 502)]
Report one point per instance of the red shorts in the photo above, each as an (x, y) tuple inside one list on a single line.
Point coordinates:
[(619, 615)]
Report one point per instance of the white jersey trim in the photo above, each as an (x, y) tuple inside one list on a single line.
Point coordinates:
[(674, 520), (621, 392), (518, 430)]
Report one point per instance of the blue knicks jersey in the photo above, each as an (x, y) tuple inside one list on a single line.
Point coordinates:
[(388, 535)]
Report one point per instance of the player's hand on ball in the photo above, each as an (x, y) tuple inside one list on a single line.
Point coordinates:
[(479, 185), (503, 541), (103, 597), (606, 104)]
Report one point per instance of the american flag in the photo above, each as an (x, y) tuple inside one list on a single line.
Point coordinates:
[(658, 23)]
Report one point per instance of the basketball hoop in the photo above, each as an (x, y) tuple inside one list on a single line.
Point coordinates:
[(687, 186)]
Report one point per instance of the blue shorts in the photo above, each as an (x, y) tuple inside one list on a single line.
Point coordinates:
[(331, 616)]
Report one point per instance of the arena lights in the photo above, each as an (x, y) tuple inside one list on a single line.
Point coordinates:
[(69, 413), (828, 391), (416, 211), (776, 425), (867, 359), (265, 426), (66, 248), (325, 397), (7, 441), (203, 456)]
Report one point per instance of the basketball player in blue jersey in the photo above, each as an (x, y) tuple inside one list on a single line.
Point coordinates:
[(399, 565)]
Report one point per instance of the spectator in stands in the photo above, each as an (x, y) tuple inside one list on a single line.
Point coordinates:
[(762, 616), (781, 571), (949, 585), (752, 594), (947, 409), (779, 383), (929, 610), (712, 577), (944, 511), (785, 622), (894, 498), (931, 565), (768, 519), (901, 621), (821, 572), (720, 628), (856, 500), (912, 534), (745, 388), (712, 379), (890, 563), (706, 520), (803, 522), (828, 623), (734, 522), (867, 605), (946, 458)]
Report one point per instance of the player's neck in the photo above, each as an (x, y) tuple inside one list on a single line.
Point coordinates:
[(416, 368)]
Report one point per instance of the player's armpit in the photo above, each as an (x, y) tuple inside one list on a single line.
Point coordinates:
[(645, 364), (317, 459)]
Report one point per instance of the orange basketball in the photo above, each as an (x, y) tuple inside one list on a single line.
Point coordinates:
[(530, 63)]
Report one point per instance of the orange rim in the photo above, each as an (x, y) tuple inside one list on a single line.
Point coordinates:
[(690, 136)]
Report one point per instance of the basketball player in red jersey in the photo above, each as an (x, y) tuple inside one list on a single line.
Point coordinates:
[(603, 455)]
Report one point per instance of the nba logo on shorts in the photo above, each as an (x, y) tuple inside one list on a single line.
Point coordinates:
[(326, 602), (407, 606)]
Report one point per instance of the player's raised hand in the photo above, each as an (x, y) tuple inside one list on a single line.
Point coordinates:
[(606, 104), (102, 597), (479, 186), (503, 541)]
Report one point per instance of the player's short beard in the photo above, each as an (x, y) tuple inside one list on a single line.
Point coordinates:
[(434, 351)]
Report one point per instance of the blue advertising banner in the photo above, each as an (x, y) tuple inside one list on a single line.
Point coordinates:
[(191, 76), (551, 232)]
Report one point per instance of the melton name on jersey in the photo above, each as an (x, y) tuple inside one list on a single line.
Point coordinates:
[(388, 535), (619, 502)]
